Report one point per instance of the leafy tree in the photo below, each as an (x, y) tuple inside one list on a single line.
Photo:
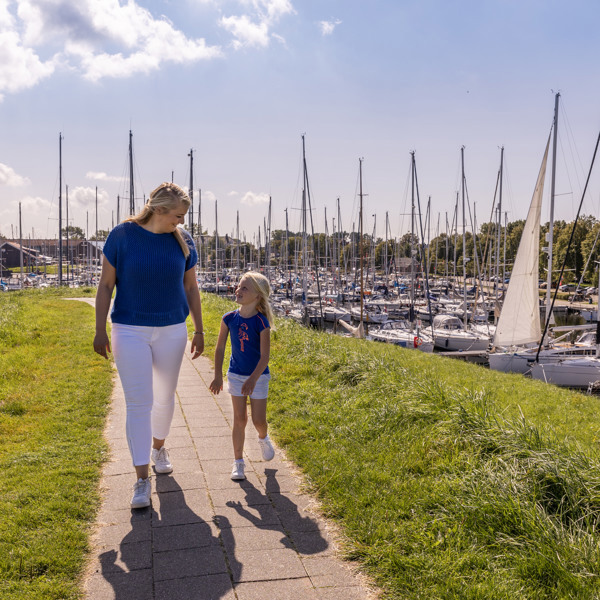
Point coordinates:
[(73, 233), (100, 236)]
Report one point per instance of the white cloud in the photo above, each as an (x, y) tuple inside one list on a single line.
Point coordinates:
[(20, 67), (85, 197), (9, 177), (246, 32), (254, 29), (254, 199), (208, 196), (99, 38), (34, 205), (327, 27), (100, 176)]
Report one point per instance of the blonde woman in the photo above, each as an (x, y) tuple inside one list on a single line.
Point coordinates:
[(151, 262), (248, 373)]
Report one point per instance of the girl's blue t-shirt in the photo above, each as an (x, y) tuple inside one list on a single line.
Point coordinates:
[(245, 341), (150, 269)]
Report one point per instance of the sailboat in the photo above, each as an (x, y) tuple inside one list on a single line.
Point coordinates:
[(518, 331), (518, 334)]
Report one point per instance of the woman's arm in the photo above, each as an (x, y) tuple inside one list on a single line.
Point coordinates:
[(217, 383), (190, 286), (106, 286), (265, 353)]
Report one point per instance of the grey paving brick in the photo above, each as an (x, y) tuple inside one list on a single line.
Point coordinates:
[(266, 565), (286, 589), (209, 587), (189, 535), (191, 562)]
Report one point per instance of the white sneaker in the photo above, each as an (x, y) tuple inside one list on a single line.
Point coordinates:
[(268, 452), (237, 472), (141, 493), (160, 457)]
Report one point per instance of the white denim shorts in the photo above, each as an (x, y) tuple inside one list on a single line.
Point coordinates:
[(235, 383)]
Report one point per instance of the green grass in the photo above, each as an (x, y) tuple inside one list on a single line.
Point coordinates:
[(54, 396), (449, 480)]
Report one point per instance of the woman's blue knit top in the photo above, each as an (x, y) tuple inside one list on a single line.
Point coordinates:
[(150, 268)]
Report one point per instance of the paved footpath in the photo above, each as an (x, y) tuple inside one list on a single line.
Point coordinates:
[(206, 537)]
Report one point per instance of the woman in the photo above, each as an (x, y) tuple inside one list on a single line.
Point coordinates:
[(151, 261)]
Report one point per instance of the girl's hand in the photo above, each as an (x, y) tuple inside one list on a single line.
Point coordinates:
[(216, 385), (248, 387)]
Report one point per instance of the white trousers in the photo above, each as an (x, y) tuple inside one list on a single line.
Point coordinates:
[(148, 360)]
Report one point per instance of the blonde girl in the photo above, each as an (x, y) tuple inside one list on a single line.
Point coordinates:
[(248, 373)]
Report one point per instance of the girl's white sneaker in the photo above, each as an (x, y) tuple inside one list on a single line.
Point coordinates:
[(268, 452), (237, 472)]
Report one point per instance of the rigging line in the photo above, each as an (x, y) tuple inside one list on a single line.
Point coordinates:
[(570, 140), (404, 213), (562, 269)]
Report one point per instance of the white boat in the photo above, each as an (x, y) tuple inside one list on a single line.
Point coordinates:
[(400, 334), (336, 313), (578, 372), (370, 314), (449, 334)]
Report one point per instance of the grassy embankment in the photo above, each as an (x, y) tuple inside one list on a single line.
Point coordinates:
[(450, 480), (53, 400)]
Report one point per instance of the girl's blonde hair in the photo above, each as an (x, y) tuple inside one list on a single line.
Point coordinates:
[(262, 287), (165, 197)]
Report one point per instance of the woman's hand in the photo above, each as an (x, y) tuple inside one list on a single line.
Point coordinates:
[(102, 344), (197, 345)]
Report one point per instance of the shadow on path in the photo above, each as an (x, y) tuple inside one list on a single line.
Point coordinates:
[(293, 523), (181, 558)]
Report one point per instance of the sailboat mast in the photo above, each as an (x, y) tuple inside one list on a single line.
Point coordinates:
[(550, 234), (304, 236), (67, 230), (21, 247), (216, 248), (60, 248), (191, 213), (131, 184), (464, 224), (360, 240), (412, 241), (499, 221)]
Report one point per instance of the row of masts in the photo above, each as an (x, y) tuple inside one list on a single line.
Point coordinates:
[(307, 211)]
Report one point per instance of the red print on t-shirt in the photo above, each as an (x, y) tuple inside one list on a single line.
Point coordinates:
[(243, 335)]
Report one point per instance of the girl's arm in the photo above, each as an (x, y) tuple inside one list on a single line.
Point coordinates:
[(106, 286), (217, 383), (190, 286), (265, 353)]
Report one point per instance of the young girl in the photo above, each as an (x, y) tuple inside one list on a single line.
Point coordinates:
[(248, 373)]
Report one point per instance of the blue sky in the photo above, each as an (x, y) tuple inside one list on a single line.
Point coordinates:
[(240, 81)]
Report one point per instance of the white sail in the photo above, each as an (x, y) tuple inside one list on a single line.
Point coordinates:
[(519, 322)]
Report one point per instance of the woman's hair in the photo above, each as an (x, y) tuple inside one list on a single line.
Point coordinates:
[(262, 287), (165, 197)]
